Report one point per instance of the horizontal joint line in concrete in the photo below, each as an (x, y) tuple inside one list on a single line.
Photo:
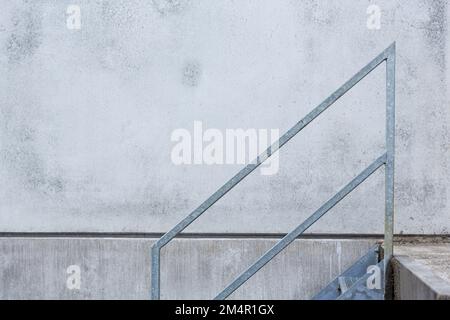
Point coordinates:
[(155, 235), (181, 236)]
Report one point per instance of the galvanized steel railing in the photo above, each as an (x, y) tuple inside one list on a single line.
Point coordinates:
[(386, 159)]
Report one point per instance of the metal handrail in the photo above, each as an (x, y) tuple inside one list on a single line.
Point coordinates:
[(387, 159)]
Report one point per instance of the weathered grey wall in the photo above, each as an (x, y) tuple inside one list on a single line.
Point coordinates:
[(86, 115), (120, 268)]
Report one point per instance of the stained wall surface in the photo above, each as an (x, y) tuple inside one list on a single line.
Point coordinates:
[(86, 115)]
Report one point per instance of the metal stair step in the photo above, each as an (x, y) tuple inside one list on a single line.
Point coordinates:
[(346, 283), (361, 291), (342, 283)]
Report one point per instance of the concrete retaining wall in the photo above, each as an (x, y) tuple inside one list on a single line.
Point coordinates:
[(422, 272), (37, 268), (413, 281)]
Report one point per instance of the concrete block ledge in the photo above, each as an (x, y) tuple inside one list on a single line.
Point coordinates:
[(422, 272), (194, 268)]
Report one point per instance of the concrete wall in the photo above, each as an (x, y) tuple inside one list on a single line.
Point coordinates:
[(114, 268), (86, 115), (422, 272)]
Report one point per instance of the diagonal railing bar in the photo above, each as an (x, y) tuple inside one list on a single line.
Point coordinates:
[(291, 236), (387, 55)]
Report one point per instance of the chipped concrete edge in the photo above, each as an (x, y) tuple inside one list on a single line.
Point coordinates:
[(439, 286)]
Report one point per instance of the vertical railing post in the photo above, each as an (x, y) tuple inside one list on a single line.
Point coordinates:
[(155, 281), (390, 157)]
